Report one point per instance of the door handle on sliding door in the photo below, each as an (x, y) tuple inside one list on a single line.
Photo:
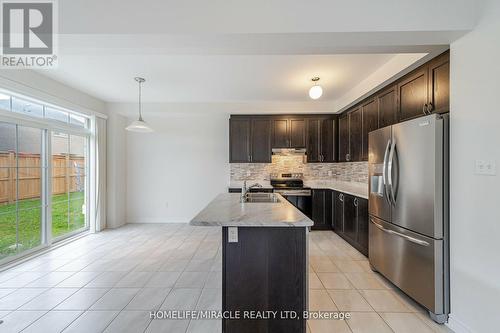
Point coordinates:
[(384, 170), (389, 171)]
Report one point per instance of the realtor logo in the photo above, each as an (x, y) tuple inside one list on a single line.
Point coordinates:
[(28, 33)]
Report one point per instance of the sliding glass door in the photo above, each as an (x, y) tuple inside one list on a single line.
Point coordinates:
[(31, 215), (22, 203), (69, 183)]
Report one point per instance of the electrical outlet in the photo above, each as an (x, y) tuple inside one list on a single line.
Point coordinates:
[(249, 173), (166, 204), (487, 168), (330, 173), (232, 234)]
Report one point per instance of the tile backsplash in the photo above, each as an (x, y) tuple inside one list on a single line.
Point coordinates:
[(351, 171)]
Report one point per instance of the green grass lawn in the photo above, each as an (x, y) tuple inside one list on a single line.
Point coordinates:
[(29, 215)]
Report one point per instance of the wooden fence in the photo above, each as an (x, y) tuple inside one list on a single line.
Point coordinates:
[(68, 175)]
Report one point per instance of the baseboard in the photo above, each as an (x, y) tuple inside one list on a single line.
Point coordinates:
[(157, 221), (457, 326)]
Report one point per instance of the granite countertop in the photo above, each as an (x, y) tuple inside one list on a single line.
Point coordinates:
[(352, 188), (227, 211)]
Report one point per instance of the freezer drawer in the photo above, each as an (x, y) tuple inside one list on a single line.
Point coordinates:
[(411, 261)]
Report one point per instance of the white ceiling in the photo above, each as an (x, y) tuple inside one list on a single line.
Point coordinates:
[(215, 78), (263, 52)]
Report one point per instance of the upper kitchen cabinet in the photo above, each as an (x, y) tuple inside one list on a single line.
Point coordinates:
[(321, 140), (355, 135), (288, 133), (350, 136), (344, 138), (426, 90), (249, 140), (439, 84), (370, 121), (387, 102), (239, 140), (260, 143), (413, 95)]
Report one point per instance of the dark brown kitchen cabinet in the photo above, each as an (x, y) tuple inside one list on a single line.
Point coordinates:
[(280, 133), (387, 102), (350, 220), (321, 143), (343, 138), (250, 140), (439, 84), (260, 143), (239, 140), (355, 136), (289, 133), (369, 112), (413, 95), (297, 132), (321, 209), (313, 141), (338, 212)]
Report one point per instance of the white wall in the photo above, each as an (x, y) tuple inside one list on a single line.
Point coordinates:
[(475, 213), (117, 171), (175, 171)]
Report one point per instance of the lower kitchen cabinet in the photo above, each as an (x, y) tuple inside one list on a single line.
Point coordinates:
[(321, 209), (350, 219)]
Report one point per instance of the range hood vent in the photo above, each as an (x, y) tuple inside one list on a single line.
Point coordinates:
[(288, 151)]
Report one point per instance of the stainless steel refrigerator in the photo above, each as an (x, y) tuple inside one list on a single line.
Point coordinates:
[(408, 206)]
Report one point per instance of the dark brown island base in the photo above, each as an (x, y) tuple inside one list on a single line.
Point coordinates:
[(264, 262)]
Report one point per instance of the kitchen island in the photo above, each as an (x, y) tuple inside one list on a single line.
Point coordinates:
[(264, 261)]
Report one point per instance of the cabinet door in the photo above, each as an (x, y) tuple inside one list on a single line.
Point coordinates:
[(239, 140), (355, 136), (328, 152), (370, 123), (362, 225), (350, 218), (413, 95), (297, 133), (318, 208), (280, 133), (439, 84), (313, 140), (343, 138), (338, 209), (261, 141), (328, 209), (388, 107)]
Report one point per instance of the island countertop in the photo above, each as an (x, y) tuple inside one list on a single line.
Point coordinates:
[(227, 211)]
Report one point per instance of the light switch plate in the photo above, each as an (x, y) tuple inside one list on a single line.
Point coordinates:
[(487, 168), (232, 234)]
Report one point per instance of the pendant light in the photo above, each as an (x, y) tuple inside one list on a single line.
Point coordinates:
[(139, 125), (316, 91)]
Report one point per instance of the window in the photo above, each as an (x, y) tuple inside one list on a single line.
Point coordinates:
[(27, 106)]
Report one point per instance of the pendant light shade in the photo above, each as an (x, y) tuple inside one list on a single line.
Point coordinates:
[(139, 125), (316, 91)]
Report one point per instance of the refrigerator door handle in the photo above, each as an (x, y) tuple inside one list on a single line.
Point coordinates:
[(384, 171), (389, 171), (392, 232)]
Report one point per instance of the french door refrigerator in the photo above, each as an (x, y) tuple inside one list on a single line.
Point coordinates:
[(408, 206)]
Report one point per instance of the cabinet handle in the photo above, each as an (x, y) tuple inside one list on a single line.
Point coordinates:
[(356, 202), (424, 108), (348, 157), (341, 197), (430, 108)]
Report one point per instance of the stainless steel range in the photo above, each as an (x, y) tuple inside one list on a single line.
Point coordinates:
[(291, 187)]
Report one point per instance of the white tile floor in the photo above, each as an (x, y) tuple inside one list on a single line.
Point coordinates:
[(109, 282)]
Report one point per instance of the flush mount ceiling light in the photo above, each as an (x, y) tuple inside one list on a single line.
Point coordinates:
[(139, 125), (316, 91)]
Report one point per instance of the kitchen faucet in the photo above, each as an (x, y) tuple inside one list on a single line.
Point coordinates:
[(245, 189)]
